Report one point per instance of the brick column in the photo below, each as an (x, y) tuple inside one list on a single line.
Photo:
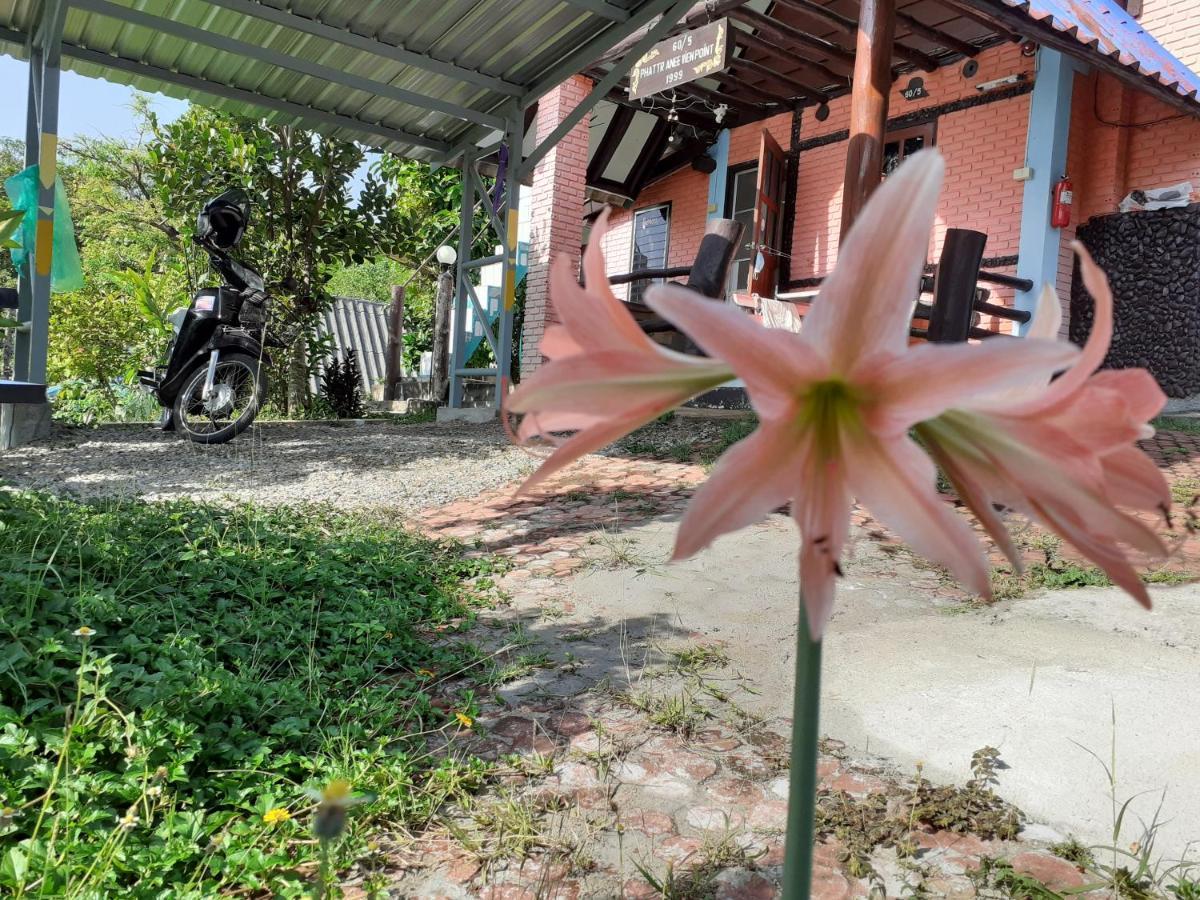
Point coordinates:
[(555, 210)]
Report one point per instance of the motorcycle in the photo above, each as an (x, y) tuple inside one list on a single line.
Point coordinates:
[(214, 380)]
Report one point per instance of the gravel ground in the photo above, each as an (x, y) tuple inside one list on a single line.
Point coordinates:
[(403, 467)]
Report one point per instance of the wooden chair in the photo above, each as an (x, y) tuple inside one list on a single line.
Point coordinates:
[(707, 275)]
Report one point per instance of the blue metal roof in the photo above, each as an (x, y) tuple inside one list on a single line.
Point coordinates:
[(1106, 28)]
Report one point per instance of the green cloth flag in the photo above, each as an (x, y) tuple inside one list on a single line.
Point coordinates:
[(66, 273)]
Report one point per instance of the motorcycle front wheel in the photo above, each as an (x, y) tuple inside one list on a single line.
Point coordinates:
[(239, 387)]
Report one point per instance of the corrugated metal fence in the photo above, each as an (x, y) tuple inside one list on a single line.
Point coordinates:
[(359, 325)]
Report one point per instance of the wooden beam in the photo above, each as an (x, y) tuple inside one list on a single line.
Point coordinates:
[(783, 82), (764, 95), (786, 33), (617, 127), (868, 106), (850, 28), (788, 58), (979, 19), (936, 35)]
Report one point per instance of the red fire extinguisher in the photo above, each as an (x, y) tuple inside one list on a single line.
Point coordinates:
[(1060, 215)]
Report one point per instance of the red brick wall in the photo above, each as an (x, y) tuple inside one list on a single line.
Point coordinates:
[(1176, 25), (556, 210)]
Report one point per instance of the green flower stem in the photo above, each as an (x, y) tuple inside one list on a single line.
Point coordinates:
[(802, 790)]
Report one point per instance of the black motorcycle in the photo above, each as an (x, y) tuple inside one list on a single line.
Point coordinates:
[(214, 381)]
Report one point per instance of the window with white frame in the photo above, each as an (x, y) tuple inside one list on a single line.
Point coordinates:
[(651, 234)]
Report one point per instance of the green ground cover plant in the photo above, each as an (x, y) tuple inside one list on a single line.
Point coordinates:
[(175, 678)]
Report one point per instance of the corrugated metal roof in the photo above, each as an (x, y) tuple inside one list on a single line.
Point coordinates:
[(1106, 28), (475, 55)]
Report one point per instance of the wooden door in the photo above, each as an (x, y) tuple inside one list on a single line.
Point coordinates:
[(768, 219)]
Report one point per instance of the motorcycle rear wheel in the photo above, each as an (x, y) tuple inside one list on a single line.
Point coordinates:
[(239, 387)]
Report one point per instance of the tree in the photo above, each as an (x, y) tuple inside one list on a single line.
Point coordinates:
[(305, 223)]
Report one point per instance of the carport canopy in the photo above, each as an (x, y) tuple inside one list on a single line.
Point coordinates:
[(446, 82)]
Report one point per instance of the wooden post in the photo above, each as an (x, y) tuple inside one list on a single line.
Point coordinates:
[(439, 374), (393, 370), (868, 105)]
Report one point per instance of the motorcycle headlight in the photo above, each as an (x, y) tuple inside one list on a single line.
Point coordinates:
[(205, 304)]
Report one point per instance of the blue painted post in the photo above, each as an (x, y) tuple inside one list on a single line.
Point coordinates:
[(1046, 155), (716, 181)]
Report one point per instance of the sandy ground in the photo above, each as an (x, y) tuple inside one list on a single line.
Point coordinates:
[(1049, 680)]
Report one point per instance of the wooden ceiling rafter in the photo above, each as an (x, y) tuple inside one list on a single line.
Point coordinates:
[(969, 12), (849, 28), (935, 35), (789, 85), (792, 66)]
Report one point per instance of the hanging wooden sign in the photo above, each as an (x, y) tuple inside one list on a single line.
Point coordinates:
[(680, 59)]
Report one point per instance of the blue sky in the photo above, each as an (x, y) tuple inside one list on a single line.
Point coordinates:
[(87, 106)]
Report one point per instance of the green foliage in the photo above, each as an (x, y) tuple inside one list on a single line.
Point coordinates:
[(80, 402), (1184, 424), (341, 387), (239, 656), (306, 223)]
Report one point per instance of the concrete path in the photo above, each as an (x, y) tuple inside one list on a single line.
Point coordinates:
[(918, 677)]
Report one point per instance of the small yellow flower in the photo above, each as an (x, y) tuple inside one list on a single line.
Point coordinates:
[(276, 815), (128, 821), (155, 790), (83, 632), (7, 815), (464, 720), (426, 673), (388, 634)]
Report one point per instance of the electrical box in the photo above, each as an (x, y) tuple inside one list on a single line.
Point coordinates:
[(1023, 174)]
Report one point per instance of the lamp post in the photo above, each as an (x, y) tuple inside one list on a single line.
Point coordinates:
[(439, 376)]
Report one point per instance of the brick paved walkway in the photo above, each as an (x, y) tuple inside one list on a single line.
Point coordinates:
[(608, 791)]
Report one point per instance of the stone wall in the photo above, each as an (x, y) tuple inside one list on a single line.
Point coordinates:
[(1153, 262)]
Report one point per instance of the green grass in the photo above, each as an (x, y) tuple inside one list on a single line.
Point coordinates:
[(240, 656), (1185, 425)]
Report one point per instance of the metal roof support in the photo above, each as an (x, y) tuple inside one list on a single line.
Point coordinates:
[(509, 240), (317, 28), (458, 334), (283, 60), (216, 89), (615, 74), (601, 8), (610, 37), (41, 147)]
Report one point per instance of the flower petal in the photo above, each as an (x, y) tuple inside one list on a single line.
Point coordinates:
[(1047, 318), (772, 363), (1132, 479), (611, 381), (895, 480), (865, 304), (593, 316), (1094, 349), (931, 378), (822, 510), (753, 477)]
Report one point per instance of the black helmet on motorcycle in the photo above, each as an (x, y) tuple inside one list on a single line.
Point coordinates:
[(223, 221)]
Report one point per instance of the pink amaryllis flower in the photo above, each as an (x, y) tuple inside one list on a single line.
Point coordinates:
[(605, 377), (837, 400), (1063, 453)]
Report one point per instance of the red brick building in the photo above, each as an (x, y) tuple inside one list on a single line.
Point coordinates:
[(977, 108)]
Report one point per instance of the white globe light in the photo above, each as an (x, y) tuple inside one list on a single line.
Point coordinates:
[(446, 255)]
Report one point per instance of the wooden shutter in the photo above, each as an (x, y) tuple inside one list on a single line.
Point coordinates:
[(768, 221)]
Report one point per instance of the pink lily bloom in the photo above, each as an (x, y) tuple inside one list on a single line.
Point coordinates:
[(605, 377), (837, 400), (1063, 453)]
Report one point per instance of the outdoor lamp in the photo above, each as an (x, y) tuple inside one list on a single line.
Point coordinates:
[(446, 255)]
